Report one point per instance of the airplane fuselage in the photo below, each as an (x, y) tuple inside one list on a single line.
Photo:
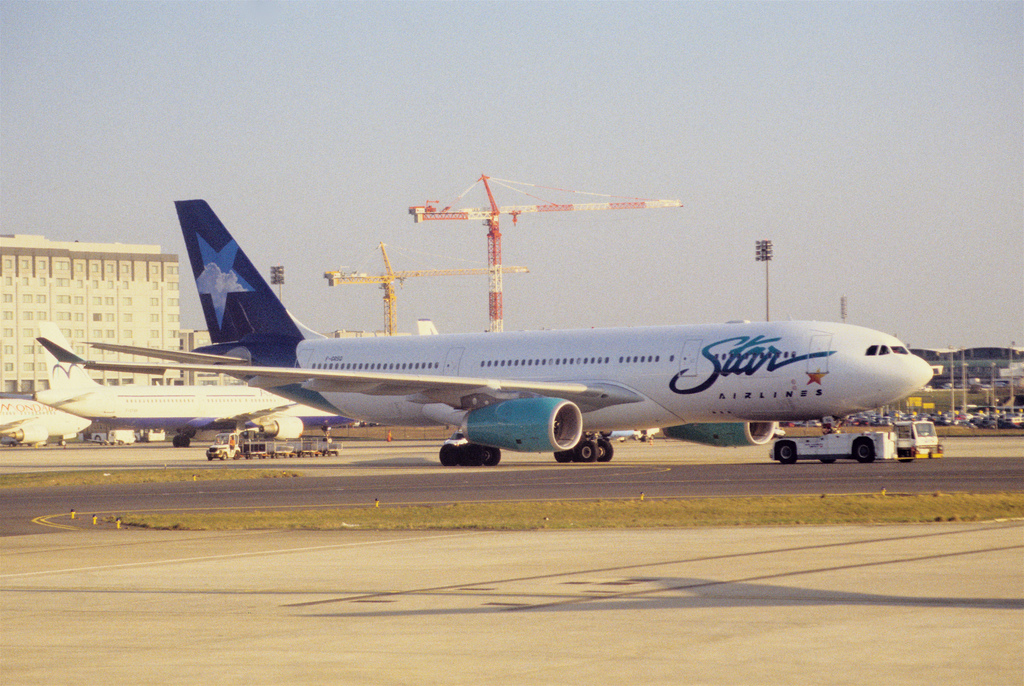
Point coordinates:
[(170, 407), (777, 371), (30, 422)]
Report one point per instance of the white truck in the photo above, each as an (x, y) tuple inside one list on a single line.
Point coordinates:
[(917, 439), (112, 437), (253, 444), (909, 440)]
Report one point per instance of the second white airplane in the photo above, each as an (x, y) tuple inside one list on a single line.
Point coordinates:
[(185, 410)]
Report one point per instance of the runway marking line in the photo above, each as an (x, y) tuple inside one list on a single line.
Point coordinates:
[(44, 520), (206, 558)]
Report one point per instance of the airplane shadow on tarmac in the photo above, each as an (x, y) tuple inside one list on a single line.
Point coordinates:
[(656, 593), (669, 594)]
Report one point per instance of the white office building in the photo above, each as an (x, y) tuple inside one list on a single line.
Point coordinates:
[(96, 292)]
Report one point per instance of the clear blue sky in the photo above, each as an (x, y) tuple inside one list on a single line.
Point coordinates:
[(879, 146)]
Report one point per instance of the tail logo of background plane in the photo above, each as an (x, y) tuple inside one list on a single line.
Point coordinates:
[(219, 276), (66, 369)]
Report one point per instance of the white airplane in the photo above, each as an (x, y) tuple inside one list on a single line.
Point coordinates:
[(25, 421), (186, 410), (539, 391)]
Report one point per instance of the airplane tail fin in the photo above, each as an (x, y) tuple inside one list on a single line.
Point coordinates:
[(237, 302), (64, 373)]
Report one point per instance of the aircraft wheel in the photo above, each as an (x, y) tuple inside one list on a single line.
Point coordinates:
[(605, 449), (864, 450), (563, 456), (472, 455), (492, 456), (785, 452), (449, 455), (585, 451)]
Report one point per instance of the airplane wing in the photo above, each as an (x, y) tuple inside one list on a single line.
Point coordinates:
[(11, 426), (455, 391), (58, 404), (250, 416), (174, 355)]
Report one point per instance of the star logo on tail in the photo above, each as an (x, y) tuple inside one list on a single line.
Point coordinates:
[(219, 277)]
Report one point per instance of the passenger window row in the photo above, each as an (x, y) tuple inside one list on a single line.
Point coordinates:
[(376, 366), (762, 353), (543, 362), (559, 361)]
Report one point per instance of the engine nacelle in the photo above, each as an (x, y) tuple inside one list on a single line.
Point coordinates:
[(31, 434), (527, 425), (282, 427), (725, 434)]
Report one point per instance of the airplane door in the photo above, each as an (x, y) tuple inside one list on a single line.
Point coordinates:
[(690, 357), (452, 361), (817, 355)]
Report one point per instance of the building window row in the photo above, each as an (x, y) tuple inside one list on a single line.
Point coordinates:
[(124, 270)]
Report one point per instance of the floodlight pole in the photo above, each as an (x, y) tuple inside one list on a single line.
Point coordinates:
[(763, 253), (277, 278)]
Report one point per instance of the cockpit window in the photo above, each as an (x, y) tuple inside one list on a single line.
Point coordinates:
[(883, 350), (873, 350), (925, 429), (900, 350)]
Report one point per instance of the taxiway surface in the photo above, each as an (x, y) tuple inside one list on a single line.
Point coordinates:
[(921, 604), (403, 474)]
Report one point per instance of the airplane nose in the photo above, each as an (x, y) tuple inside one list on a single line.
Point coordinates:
[(918, 373)]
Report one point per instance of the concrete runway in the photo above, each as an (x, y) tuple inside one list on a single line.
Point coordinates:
[(925, 605), (920, 604)]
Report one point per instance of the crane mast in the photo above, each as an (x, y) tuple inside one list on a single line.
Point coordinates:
[(490, 216)]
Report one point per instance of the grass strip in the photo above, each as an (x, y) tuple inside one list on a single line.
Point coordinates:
[(615, 514), (135, 476)]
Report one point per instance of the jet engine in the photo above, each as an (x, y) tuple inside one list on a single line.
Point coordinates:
[(282, 427), (726, 434), (528, 425), (31, 434)]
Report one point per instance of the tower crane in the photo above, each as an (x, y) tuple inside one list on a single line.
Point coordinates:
[(387, 282), (427, 212)]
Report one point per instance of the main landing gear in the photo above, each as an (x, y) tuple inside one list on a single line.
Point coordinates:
[(469, 455), (589, 449), (457, 451)]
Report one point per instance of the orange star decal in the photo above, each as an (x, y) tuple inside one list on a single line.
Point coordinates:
[(815, 377)]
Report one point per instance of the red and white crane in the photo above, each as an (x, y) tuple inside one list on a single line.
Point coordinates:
[(428, 212)]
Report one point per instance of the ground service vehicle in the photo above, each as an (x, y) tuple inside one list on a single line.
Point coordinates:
[(112, 437), (917, 439), (254, 444), (912, 439)]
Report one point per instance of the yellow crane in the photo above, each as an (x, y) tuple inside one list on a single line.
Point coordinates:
[(387, 282)]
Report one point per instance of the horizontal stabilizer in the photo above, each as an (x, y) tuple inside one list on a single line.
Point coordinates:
[(62, 354)]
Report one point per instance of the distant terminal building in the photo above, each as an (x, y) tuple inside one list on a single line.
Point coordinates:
[(95, 292), (976, 365)]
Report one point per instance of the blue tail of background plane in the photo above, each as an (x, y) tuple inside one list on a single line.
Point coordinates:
[(240, 308)]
